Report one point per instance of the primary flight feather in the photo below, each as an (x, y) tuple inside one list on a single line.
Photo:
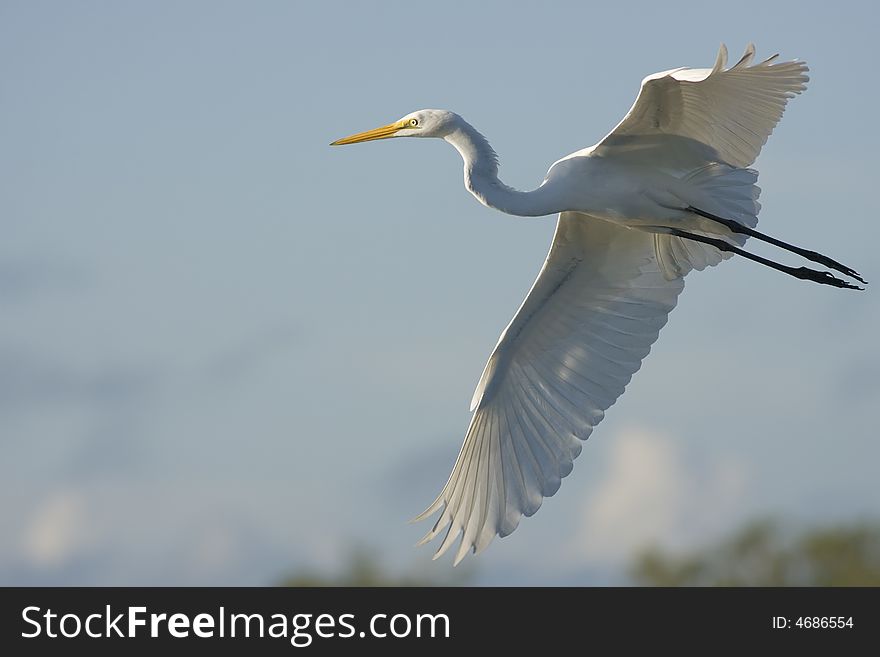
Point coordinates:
[(667, 191)]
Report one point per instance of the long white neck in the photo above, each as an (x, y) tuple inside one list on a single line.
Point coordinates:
[(481, 177)]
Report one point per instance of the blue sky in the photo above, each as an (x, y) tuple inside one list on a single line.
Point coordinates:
[(229, 351)]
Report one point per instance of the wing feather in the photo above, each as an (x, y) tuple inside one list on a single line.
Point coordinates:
[(579, 336), (729, 111)]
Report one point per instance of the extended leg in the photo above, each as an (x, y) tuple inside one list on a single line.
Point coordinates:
[(804, 273), (737, 227)]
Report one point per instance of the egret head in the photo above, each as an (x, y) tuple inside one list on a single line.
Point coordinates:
[(423, 123)]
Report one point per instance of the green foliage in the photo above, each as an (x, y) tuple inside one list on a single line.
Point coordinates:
[(762, 554), (364, 569)]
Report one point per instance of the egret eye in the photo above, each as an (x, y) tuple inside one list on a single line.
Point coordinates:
[(413, 122)]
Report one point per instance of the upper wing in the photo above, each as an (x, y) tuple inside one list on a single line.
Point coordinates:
[(582, 331), (729, 112)]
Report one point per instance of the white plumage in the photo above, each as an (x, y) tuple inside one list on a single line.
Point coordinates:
[(731, 111), (667, 191), (582, 332)]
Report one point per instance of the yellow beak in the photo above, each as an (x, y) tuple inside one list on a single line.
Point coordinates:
[(383, 132)]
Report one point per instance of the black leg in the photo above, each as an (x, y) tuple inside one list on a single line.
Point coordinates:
[(804, 273), (737, 227)]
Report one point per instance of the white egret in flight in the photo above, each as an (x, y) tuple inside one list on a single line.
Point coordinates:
[(667, 191)]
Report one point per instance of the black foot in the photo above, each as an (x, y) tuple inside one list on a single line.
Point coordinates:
[(823, 277), (828, 262)]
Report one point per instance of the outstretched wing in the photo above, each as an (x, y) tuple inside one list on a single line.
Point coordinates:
[(717, 114), (581, 333)]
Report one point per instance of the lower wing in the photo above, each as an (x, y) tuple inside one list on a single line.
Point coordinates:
[(590, 318)]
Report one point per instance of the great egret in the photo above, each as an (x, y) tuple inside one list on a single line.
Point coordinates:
[(667, 191)]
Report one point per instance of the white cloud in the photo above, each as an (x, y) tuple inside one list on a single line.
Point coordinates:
[(57, 530), (651, 494)]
